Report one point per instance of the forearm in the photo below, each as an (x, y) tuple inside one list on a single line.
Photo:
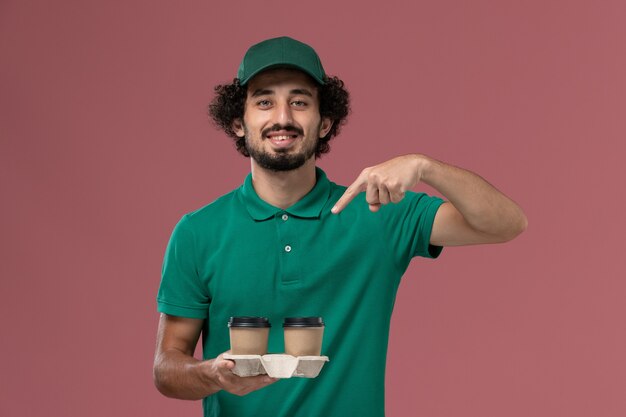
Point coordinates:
[(178, 375), (484, 208)]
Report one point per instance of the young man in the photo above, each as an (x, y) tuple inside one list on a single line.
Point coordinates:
[(289, 243)]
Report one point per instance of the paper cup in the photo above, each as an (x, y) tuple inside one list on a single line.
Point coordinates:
[(249, 335), (303, 336)]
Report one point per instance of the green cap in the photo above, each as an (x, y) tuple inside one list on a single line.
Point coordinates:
[(280, 52)]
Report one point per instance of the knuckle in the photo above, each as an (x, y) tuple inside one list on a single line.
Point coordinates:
[(373, 176), (393, 184)]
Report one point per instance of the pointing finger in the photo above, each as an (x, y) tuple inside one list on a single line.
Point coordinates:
[(355, 188)]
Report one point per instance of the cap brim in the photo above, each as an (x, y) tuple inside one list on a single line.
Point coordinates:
[(281, 65)]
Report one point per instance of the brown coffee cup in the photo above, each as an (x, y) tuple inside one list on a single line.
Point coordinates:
[(249, 335), (303, 336)]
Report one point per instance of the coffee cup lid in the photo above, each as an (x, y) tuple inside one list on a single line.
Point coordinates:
[(303, 322), (246, 321)]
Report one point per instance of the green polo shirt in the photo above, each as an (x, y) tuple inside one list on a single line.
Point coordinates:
[(240, 256)]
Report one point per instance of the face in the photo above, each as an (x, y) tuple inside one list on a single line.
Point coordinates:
[(281, 121)]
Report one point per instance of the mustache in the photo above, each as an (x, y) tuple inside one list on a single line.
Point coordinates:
[(277, 128)]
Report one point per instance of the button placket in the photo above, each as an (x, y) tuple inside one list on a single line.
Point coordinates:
[(288, 244), (285, 217)]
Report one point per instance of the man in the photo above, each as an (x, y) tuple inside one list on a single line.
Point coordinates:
[(289, 242)]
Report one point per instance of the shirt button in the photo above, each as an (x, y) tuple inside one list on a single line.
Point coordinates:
[(287, 248), (285, 217)]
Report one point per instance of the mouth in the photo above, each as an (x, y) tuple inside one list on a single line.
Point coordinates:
[(282, 139)]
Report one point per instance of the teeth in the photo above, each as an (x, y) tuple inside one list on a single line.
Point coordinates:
[(281, 138)]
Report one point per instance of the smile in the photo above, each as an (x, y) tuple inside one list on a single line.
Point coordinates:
[(283, 137), (282, 140)]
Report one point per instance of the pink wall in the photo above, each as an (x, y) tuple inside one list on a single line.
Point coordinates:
[(105, 144)]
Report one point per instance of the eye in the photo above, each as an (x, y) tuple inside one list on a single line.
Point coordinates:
[(263, 103), (299, 103)]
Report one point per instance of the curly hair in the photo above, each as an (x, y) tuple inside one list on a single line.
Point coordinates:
[(229, 103)]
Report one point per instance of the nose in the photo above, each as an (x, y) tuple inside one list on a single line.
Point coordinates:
[(284, 114)]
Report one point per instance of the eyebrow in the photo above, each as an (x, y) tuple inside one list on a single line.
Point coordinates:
[(261, 92), (302, 91), (264, 92)]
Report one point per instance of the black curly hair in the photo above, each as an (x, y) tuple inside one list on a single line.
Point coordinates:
[(229, 103)]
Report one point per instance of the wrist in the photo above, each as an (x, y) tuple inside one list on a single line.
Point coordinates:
[(206, 372), (424, 167)]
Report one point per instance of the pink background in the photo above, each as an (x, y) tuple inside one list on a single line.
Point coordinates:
[(105, 143)]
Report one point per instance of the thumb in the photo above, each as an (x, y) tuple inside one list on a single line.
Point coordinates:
[(223, 363)]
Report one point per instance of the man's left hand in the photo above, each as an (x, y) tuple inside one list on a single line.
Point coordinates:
[(384, 183)]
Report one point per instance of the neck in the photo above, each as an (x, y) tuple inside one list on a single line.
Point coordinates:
[(285, 188)]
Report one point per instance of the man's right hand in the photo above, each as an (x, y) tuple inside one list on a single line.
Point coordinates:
[(222, 376), (177, 374)]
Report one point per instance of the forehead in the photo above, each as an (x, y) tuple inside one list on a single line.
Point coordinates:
[(278, 78)]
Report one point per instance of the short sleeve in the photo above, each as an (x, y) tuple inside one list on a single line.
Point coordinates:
[(409, 224), (181, 292)]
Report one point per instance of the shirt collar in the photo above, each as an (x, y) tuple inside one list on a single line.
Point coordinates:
[(309, 206)]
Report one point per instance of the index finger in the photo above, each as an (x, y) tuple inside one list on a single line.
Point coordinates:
[(355, 188)]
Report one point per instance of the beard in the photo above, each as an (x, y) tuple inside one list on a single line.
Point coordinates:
[(281, 159)]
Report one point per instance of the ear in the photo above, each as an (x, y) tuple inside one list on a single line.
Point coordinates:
[(325, 127), (237, 127)]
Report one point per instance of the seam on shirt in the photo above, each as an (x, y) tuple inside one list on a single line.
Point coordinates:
[(161, 301)]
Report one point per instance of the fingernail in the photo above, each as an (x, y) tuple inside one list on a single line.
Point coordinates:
[(333, 210)]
